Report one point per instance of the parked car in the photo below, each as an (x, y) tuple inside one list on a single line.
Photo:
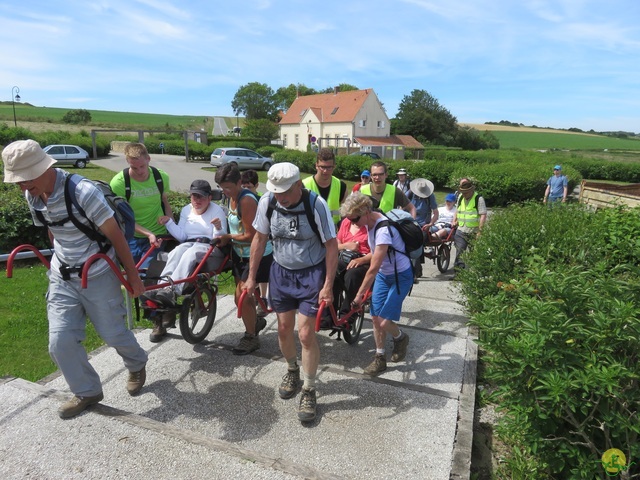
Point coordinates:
[(244, 158), (68, 155), (367, 154)]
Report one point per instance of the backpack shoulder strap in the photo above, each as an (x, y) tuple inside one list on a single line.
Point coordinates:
[(70, 199), (307, 198), (390, 249), (159, 183), (127, 184), (243, 193)]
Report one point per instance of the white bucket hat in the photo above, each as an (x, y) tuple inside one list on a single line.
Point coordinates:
[(421, 187), (24, 160)]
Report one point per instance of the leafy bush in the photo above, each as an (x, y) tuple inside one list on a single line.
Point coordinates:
[(555, 294), (16, 224), (77, 116)]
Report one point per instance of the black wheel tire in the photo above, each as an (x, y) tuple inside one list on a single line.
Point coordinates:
[(444, 257), (197, 315), (81, 163), (266, 167), (352, 334)]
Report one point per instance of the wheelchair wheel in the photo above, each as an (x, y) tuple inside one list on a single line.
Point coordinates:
[(444, 257), (197, 315), (352, 333)]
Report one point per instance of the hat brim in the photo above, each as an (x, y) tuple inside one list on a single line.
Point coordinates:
[(280, 187), (202, 193), (31, 173), (421, 187)]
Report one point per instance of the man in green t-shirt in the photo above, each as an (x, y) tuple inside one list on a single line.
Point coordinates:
[(146, 198), (147, 195)]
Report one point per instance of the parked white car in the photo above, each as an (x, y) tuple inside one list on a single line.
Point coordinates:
[(68, 155), (244, 158)]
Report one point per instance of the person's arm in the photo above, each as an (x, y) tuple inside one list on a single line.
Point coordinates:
[(411, 208), (249, 208), (167, 206), (565, 190), (546, 193), (376, 262), (153, 240), (258, 246), (331, 263), (111, 230)]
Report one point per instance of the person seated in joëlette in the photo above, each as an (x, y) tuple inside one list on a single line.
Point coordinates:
[(199, 223)]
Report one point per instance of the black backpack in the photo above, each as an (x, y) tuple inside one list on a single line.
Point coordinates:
[(409, 231), (122, 212)]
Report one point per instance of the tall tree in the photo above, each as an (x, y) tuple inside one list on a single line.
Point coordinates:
[(286, 95), (261, 128), (422, 116), (343, 87), (255, 101)]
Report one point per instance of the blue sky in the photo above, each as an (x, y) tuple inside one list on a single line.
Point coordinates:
[(556, 63)]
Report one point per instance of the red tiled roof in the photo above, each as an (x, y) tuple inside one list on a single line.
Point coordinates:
[(405, 140), (345, 104)]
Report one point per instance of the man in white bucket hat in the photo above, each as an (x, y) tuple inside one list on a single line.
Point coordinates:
[(68, 304)]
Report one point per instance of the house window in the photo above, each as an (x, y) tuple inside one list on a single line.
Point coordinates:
[(334, 110), (363, 123), (297, 140), (380, 123), (284, 140)]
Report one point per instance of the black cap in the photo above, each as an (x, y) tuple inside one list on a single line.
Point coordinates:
[(200, 187)]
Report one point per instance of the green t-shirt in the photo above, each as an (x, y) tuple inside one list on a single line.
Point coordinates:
[(145, 200)]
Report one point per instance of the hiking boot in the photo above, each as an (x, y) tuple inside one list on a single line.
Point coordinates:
[(307, 408), (136, 381), (261, 324), (158, 331), (169, 320), (261, 312), (78, 405), (376, 367), (289, 386), (247, 344), (400, 348)]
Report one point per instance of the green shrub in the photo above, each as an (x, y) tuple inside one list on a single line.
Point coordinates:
[(555, 294), (16, 224)]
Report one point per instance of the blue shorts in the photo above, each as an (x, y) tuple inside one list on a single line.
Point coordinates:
[(296, 289), (385, 301)]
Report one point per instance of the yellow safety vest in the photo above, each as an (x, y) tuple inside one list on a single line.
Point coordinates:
[(468, 215), (388, 196), (334, 195)]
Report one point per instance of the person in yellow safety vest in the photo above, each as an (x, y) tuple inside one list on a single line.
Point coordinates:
[(332, 189), (387, 196), (469, 218)]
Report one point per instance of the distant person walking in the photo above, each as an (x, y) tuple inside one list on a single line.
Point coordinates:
[(470, 216), (557, 187), (329, 187)]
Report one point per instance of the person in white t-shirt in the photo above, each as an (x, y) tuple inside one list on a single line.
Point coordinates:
[(446, 214)]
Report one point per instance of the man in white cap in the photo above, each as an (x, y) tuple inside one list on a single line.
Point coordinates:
[(68, 304), (305, 257), (402, 182)]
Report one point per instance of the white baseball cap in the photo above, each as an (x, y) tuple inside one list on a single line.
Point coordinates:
[(282, 176)]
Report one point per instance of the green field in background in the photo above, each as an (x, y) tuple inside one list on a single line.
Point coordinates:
[(548, 140), (28, 113)]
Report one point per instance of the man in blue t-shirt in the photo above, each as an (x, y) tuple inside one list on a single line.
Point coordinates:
[(557, 187)]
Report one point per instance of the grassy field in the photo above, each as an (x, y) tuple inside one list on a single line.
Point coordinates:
[(544, 140), (27, 114)]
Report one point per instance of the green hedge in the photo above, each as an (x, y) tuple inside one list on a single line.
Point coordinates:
[(555, 294)]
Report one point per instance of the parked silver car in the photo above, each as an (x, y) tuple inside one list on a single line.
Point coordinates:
[(244, 158), (68, 155)]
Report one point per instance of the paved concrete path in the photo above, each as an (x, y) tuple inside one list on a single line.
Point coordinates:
[(205, 413)]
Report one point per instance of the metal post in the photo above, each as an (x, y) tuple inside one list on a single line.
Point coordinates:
[(15, 97)]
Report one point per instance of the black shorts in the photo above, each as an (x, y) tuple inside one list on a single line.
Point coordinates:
[(241, 267)]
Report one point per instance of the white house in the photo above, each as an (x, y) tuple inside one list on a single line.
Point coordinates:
[(333, 119)]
